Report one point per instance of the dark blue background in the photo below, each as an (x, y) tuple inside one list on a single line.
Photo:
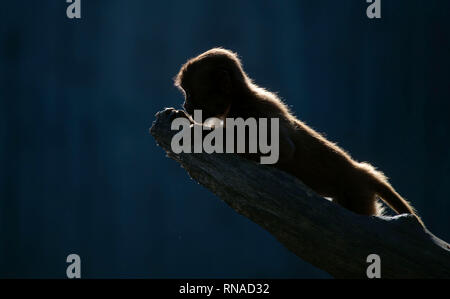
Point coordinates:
[(79, 172)]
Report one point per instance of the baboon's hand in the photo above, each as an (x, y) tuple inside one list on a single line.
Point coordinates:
[(178, 113), (171, 114)]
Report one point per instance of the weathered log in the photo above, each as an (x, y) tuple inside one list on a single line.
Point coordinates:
[(315, 229)]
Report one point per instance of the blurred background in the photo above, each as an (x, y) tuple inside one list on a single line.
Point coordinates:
[(79, 172)]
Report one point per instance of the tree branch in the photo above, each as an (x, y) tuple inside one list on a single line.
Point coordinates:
[(316, 230)]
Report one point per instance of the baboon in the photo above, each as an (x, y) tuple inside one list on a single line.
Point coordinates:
[(216, 83)]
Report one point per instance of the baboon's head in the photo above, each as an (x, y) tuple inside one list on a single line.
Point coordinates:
[(211, 82)]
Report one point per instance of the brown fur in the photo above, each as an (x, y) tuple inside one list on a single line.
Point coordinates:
[(215, 83)]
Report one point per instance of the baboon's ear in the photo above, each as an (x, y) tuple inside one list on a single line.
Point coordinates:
[(223, 79)]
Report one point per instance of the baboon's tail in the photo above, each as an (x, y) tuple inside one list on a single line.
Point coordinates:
[(394, 200)]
